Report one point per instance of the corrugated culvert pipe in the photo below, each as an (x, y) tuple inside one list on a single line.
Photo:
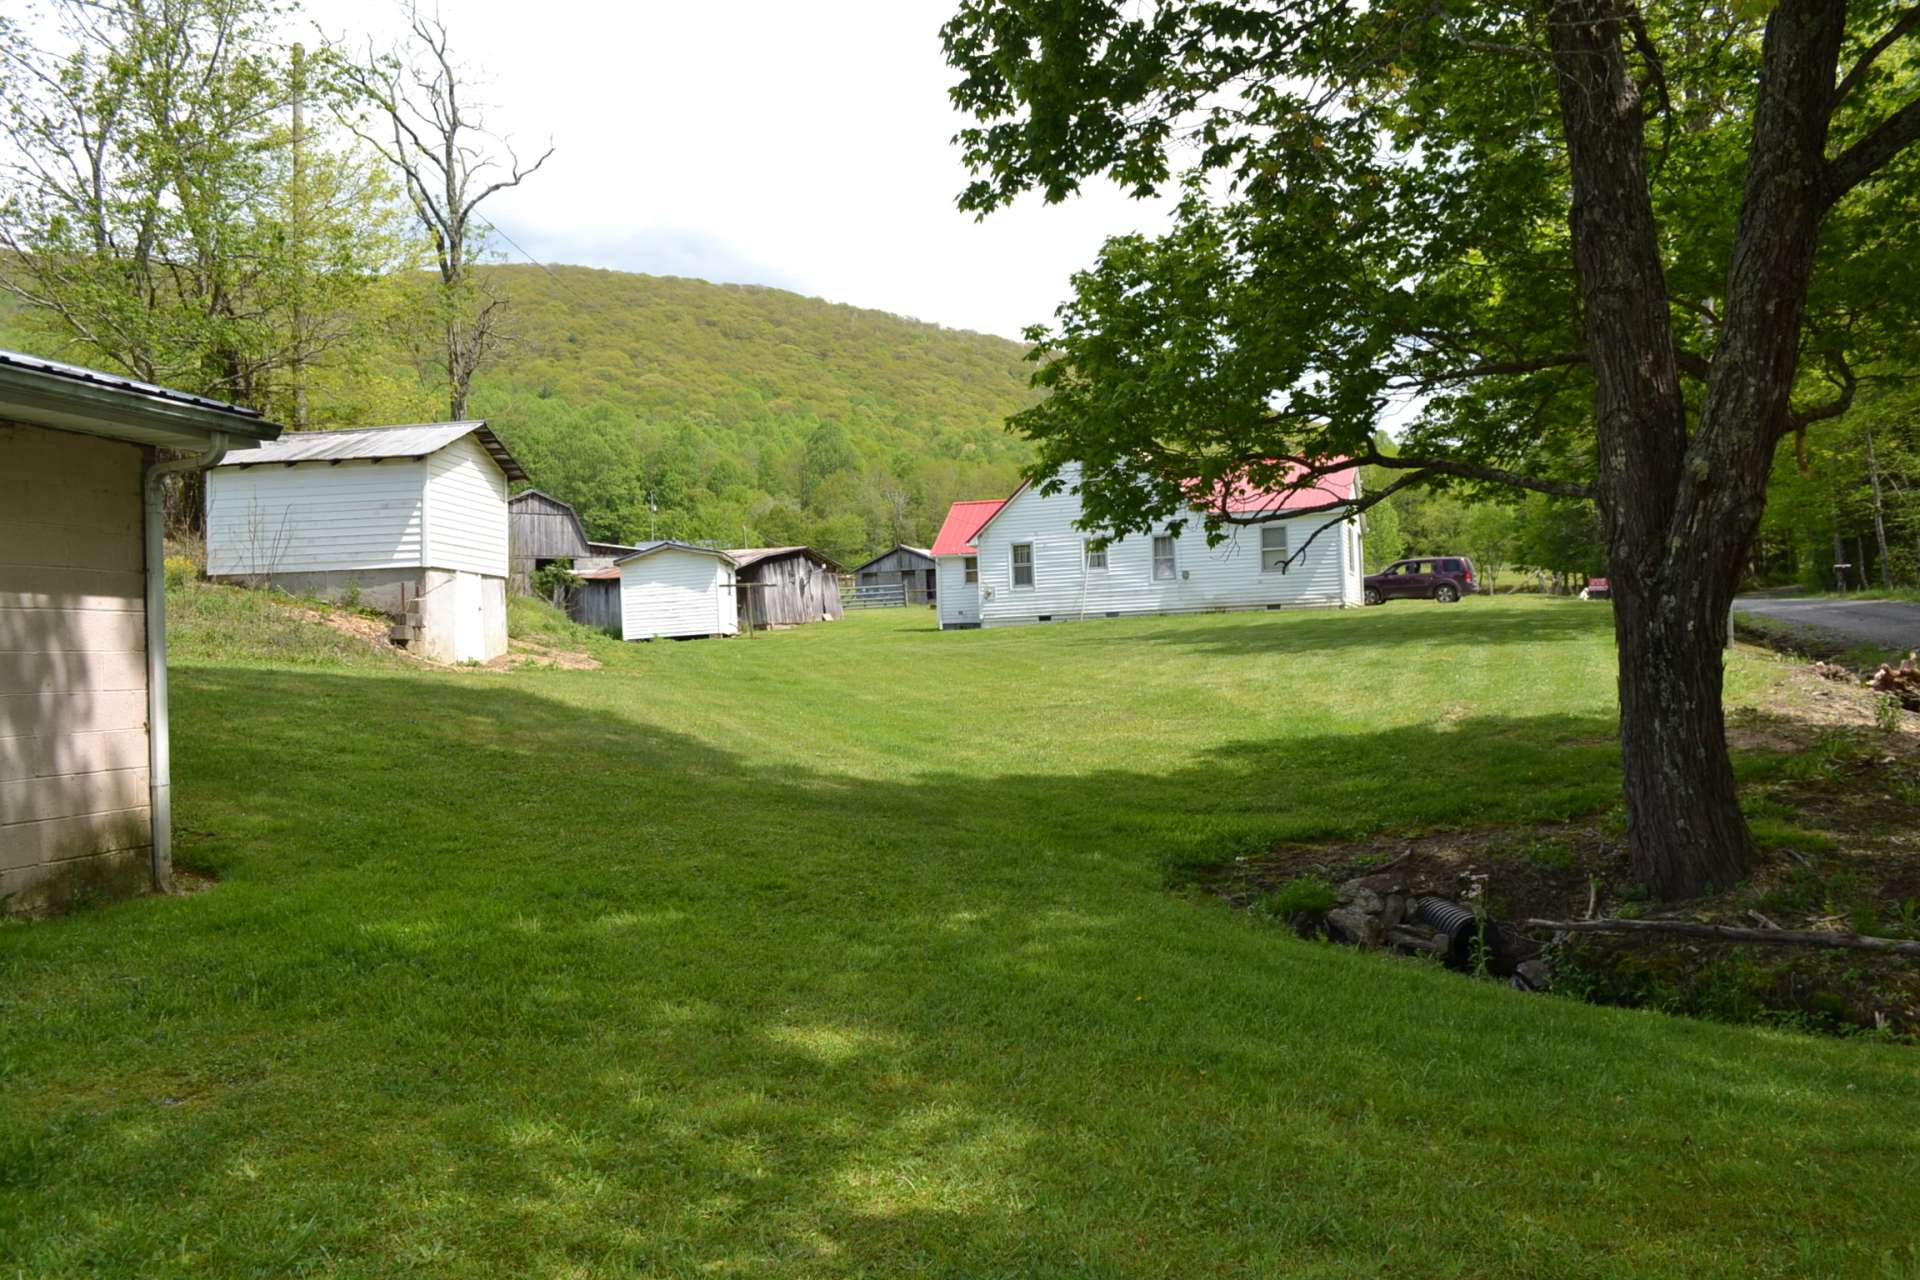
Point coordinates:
[(1460, 927)]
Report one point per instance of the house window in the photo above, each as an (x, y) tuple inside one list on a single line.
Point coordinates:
[(1096, 559), (1273, 549), (1163, 568), (973, 569), (1023, 564)]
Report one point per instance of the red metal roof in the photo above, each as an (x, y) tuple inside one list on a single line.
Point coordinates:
[(964, 520), (1242, 498)]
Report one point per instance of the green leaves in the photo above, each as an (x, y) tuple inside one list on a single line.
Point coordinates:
[(155, 212), (1374, 226)]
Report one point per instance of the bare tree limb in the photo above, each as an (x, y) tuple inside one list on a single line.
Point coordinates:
[(1731, 933), (439, 144)]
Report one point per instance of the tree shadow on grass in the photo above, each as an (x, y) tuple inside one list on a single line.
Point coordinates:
[(500, 983), (1411, 621)]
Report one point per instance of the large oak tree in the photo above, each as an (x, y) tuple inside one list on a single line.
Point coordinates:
[(1606, 251)]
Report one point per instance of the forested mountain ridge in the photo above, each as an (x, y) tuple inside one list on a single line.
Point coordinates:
[(745, 412), (681, 350)]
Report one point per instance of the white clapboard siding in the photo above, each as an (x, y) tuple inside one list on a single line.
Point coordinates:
[(958, 600), (1205, 578), (314, 517), (73, 677), (677, 593), (467, 524)]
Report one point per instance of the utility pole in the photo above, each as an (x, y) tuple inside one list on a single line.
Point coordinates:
[(298, 364)]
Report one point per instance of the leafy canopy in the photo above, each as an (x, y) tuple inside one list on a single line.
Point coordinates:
[(1373, 222)]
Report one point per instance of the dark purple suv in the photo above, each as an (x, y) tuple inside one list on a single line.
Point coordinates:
[(1442, 578)]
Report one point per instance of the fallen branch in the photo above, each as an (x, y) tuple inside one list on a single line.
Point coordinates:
[(1728, 933)]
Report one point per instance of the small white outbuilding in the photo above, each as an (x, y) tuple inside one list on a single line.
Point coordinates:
[(675, 589), (408, 520)]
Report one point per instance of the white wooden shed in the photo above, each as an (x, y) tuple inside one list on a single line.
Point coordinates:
[(674, 589), (85, 805), (410, 520)]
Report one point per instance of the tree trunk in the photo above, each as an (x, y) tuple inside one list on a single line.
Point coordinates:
[(1685, 831), (1680, 509)]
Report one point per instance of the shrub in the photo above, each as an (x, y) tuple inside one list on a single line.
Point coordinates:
[(554, 582), (1304, 896), (1886, 712), (180, 570)]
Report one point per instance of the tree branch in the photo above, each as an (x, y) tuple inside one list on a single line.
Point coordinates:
[(1694, 365), (1798, 420), (1466, 471), (1872, 153), (1492, 369), (1905, 23)]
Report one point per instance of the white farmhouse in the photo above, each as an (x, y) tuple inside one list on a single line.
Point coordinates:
[(1023, 560), (408, 520), (674, 589)]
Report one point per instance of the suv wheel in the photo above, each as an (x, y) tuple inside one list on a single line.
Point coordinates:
[(1373, 596), (1446, 593)]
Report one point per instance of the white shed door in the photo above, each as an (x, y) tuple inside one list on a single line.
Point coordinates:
[(469, 619)]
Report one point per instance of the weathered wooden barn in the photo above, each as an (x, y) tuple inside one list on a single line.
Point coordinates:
[(785, 586), (910, 569), (595, 601), (84, 762), (542, 529)]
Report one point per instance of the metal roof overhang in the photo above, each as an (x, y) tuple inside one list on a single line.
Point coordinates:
[(47, 394)]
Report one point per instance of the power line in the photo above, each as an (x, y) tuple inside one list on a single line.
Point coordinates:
[(564, 286)]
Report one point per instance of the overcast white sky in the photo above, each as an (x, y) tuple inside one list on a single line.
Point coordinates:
[(796, 143)]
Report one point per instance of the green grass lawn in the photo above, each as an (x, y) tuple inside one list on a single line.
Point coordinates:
[(1908, 594), (847, 951)]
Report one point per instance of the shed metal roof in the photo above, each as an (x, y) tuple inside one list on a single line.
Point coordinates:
[(923, 552), (356, 443), (663, 544), (78, 373), (745, 556), (67, 397)]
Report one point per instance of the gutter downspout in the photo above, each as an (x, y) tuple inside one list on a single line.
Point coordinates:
[(159, 756)]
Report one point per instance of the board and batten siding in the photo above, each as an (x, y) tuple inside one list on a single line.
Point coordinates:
[(1205, 578), (466, 510), (73, 682), (677, 593), (313, 517)]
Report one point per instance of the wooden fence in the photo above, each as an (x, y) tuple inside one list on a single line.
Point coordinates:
[(886, 595)]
